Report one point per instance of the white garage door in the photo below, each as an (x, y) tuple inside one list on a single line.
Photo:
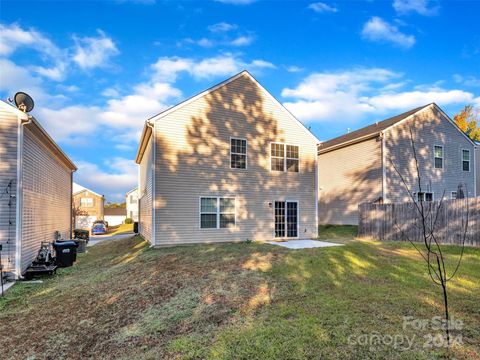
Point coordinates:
[(84, 222)]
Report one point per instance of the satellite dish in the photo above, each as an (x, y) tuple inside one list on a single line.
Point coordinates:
[(24, 101)]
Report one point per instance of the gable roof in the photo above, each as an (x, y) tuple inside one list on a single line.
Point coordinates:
[(134, 189), (33, 124), (147, 131), (85, 189), (374, 130)]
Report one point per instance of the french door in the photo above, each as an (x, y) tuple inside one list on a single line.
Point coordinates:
[(286, 219)]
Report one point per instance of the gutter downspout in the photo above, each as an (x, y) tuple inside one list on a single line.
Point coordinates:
[(154, 194), (317, 199), (475, 171), (71, 204), (24, 120), (384, 169)]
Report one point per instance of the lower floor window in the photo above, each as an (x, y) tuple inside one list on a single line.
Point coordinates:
[(217, 212), (424, 196)]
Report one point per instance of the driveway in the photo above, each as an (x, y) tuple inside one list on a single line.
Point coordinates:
[(95, 239)]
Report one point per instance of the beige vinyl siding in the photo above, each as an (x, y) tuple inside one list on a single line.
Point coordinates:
[(8, 172), (430, 128), (347, 177), (47, 193), (193, 160), (145, 192), (98, 205)]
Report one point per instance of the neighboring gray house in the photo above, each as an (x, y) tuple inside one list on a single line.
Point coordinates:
[(35, 189), (229, 164), (360, 166)]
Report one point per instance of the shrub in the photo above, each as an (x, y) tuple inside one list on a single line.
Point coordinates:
[(128, 221)]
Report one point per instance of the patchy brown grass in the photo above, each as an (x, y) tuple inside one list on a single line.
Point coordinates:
[(234, 301)]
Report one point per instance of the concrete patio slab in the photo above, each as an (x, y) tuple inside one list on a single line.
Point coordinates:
[(303, 244)]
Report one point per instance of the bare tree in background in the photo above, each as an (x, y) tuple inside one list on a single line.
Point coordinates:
[(426, 238)]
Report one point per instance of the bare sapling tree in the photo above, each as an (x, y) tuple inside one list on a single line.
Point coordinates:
[(426, 235)]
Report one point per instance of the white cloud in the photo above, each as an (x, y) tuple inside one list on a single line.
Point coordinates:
[(13, 37), (412, 99), (168, 68), (243, 40), (222, 27), (236, 2), (379, 30), (294, 69), (92, 52), (14, 78), (71, 122), (470, 81), (110, 92), (419, 6), (112, 178), (131, 111), (350, 95), (321, 7), (205, 42)]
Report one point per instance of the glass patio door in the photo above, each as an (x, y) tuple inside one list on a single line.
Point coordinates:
[(286, 219)]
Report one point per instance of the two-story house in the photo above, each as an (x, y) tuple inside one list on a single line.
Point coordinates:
[(228, 164), (372, 163), (131, 203), (88, 206), (35, 189)]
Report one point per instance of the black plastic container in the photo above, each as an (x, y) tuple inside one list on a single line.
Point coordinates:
[(135, 227), (66, 253)]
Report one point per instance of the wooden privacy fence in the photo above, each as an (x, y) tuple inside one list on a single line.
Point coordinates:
[(401, 222)]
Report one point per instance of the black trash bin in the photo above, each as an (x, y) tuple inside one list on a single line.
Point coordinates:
[(66, 253), (135, 227)]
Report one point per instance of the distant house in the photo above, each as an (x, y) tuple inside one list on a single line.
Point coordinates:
[(360, 166), (115, 216), (228, 164), (131, 201), (35, 189), (88, 206)]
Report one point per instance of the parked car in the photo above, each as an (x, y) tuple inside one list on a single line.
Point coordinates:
[(99, 229), (101, 222)]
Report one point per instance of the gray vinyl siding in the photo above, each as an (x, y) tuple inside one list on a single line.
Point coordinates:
[(47, 193), (145, 193), (347, 177), (8, 172), (193, 160), (430, 128)]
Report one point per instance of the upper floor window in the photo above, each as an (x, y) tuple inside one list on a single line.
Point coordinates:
[(133, 199), (217, 212), (466, 160), (86, 202), (438, 157), (284, 157), (238, 153), (453, 195)]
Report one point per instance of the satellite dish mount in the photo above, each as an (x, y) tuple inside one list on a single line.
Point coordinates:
[(24, 102)]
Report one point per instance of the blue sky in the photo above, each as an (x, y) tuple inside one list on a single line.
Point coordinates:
[(97, 70)]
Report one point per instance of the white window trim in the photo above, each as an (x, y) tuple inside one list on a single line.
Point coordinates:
[(451, 195), (469, 160), (298, 218), (435, 157), (284, 157), (218, 197), (425, 192), (246, 153)]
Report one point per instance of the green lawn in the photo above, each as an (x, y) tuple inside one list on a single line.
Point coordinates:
[(120, 229), (236, 301)]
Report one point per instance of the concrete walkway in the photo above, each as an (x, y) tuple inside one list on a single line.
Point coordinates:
[(101, 238), (303, 244)]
